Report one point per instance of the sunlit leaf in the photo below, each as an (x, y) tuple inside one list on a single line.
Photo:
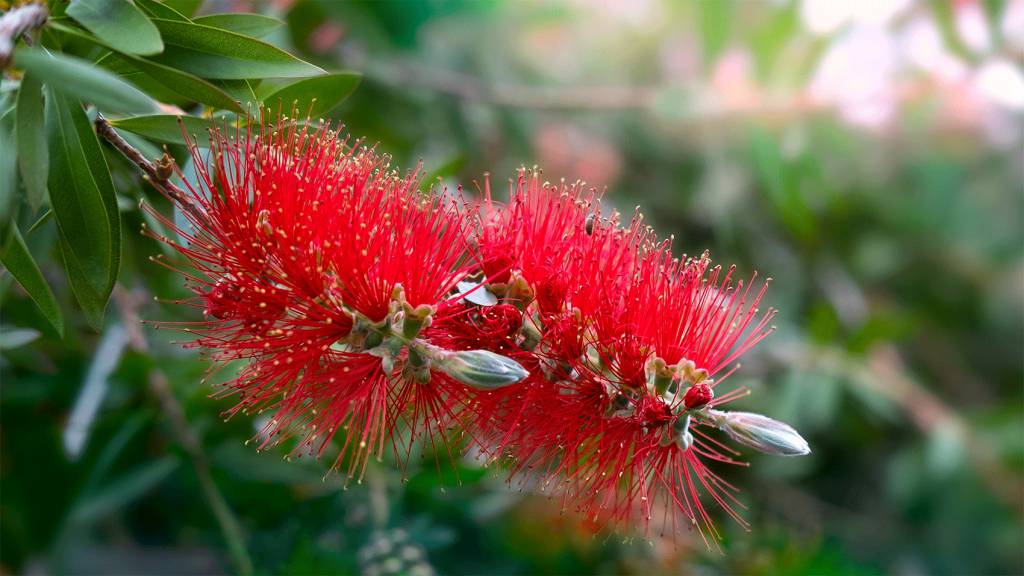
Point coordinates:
[(118, 23), (213, 53), (84, 204), (19, 263), (82, 80)]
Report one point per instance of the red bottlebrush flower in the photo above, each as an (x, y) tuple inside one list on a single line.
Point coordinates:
[(301, 245), (586, 358)]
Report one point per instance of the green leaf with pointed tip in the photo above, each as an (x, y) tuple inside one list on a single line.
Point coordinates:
[(251, 25), (212, 53), (39, 223), (82, 80), (315, 95), (30, 136), (84, 204), (242, 91), (120, 24), (165, 127), (18, 261), (187, 85)]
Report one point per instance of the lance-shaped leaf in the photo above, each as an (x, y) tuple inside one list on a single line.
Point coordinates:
[(187, 85), (19, 263), (119, 24), (252, 25), (84, 81), (84, 204), (165, 127), (314, 96), (213, 53), (30, 136)]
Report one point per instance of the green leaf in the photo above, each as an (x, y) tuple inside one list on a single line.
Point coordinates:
[(30, 135), (184, 7), (8, 179), (715, 20), (39, 223), (124, 489), (315, 95), (212, 53), (85, 206), (252, 25), (165, 127), (82, 80), (187, 85), (240, 90), (119, 24), (19, 263), (165, 10)]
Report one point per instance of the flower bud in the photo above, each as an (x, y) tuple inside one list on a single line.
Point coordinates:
[(480, 368), (698, 396), (761, 433)]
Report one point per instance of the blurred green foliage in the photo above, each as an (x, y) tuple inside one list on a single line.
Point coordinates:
[(896, 244)]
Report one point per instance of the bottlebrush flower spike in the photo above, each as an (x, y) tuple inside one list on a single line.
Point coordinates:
[(318, 266), (563, 342)]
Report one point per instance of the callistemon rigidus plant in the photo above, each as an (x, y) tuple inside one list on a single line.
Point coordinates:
[(543, 334)]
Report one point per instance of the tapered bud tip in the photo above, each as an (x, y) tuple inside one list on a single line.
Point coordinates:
[(482, 369), (698, 396), (764, 434)]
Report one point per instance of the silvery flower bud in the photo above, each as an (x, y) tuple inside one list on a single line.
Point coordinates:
[(762, 433), (481, 369)]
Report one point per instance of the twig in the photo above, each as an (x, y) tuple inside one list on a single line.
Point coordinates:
[(15, 23), (229, 524), (157, 175), (883, 372), (128, 303)]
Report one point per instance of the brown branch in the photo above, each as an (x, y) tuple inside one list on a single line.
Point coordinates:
[(157, 175), (15, 23)]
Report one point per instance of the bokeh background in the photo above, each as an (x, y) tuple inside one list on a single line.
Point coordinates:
[(866, 155)]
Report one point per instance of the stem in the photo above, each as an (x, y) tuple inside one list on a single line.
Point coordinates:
[(152, 172), (15, 23), (230, 527)]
